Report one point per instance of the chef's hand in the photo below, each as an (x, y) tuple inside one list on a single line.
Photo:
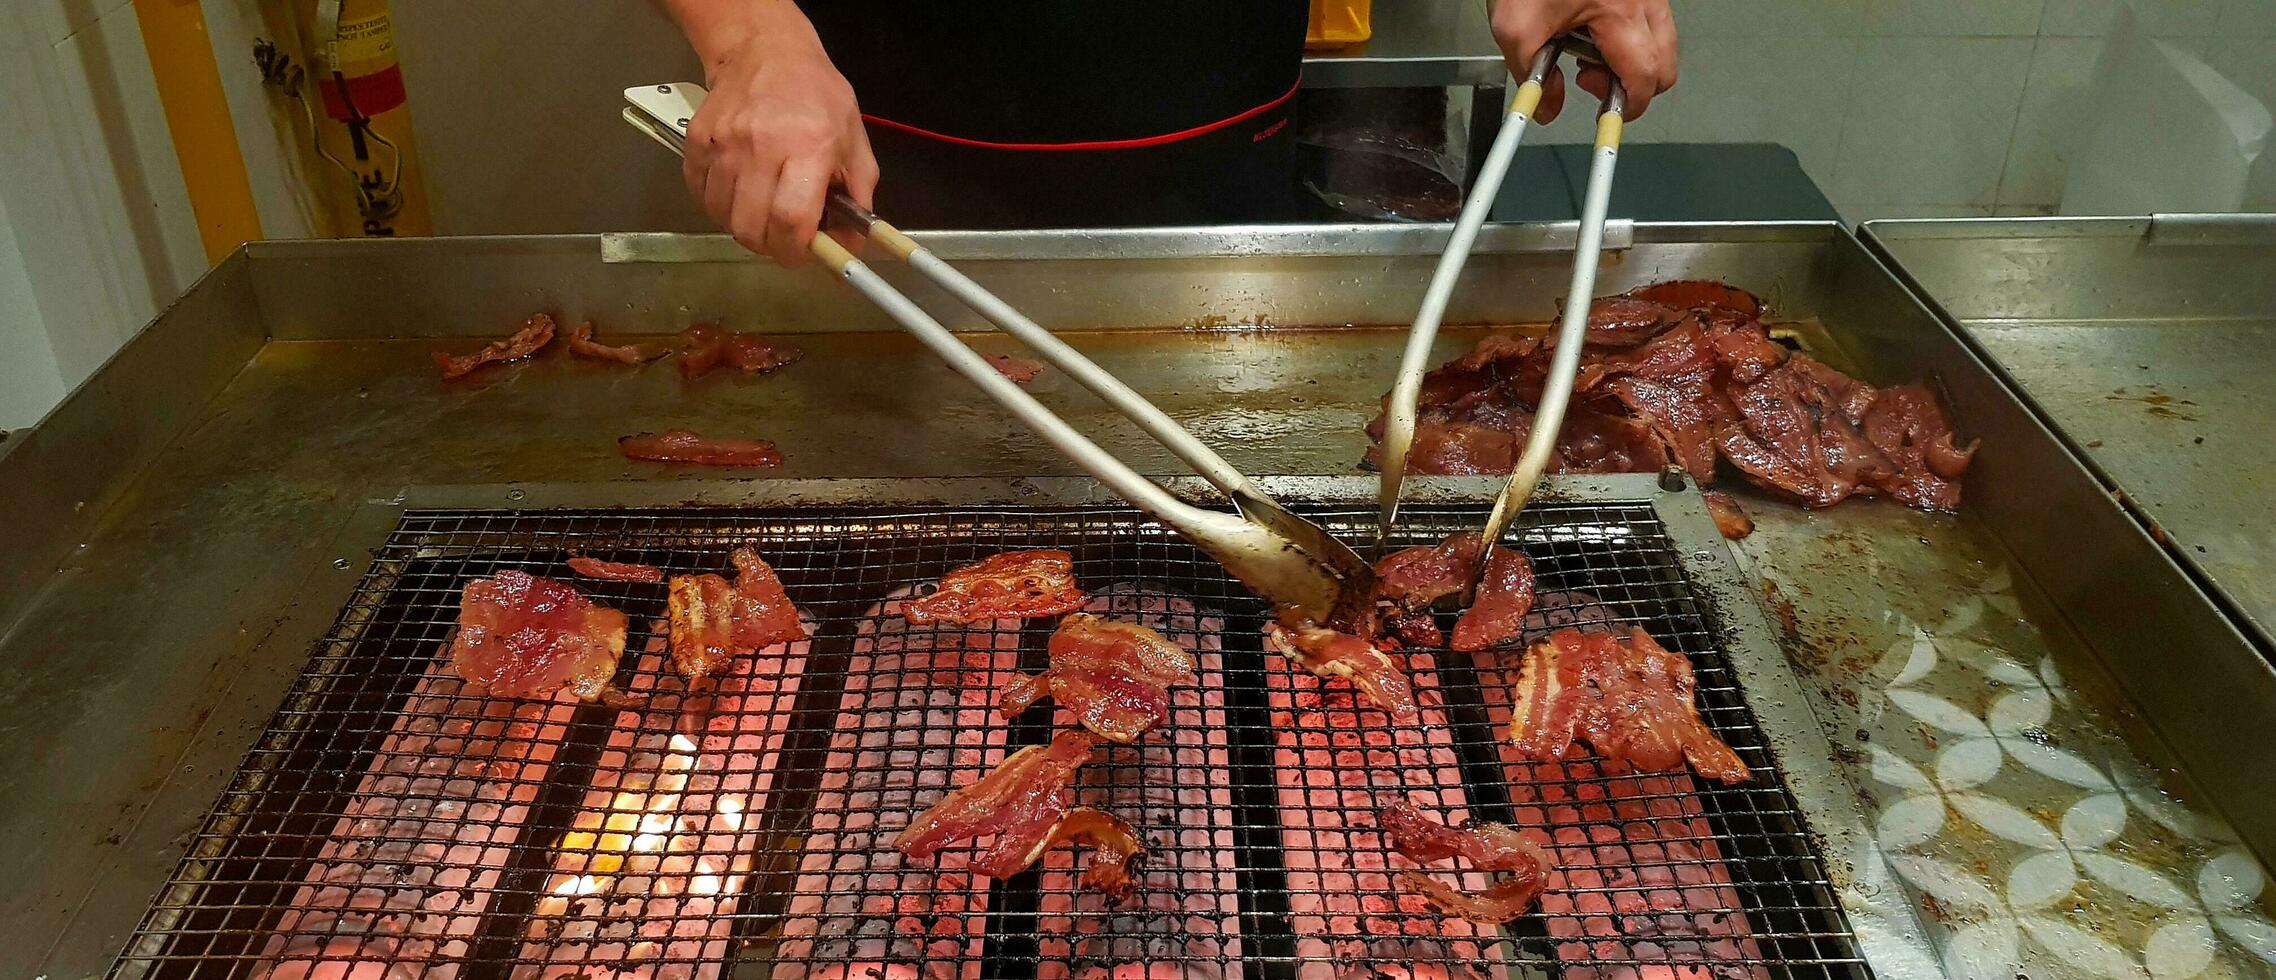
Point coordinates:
[(1636, 36), (779, 127)]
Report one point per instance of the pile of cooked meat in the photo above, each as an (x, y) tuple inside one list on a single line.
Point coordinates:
[(1687, 374)]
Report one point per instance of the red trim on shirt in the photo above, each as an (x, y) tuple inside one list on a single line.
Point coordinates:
[(1128, 144)]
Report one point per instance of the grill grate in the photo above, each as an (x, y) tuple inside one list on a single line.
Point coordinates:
[(744, 830)]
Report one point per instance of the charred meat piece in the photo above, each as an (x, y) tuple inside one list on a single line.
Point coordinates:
[(1729, 519), (1011, 585), (1116, 850), (1683, 415), (707, 346), (1413, 578), (535, 333), (1908, 426), (713, 622), (1023, 803), (1505, 595), (683, 446), (1020, 369), (521, 636), (1631, 699), (614, 571), (1487, 846), (582, 344), (1328, 653), (1114, 677)]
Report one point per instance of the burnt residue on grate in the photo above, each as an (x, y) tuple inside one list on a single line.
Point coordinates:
[(388, 824)]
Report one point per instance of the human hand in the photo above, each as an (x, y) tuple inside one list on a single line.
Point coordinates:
[(779, 127), (1637, 38)]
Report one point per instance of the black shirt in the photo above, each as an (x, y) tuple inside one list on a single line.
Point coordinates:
[(1062, 71)]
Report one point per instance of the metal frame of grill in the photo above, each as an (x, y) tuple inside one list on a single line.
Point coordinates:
[(1262, 867)]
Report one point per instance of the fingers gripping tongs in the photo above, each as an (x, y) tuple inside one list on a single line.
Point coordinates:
[(1282, 557), (1541, 444)]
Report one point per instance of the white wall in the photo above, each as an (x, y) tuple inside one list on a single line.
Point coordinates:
[(1903, 108), (100, 231)]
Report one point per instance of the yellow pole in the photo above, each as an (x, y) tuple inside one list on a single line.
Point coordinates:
[(197, 116)]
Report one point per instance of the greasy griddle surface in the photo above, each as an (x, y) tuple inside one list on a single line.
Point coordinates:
[(1257, 797)]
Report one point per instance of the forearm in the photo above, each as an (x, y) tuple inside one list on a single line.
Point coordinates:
[(719, 28)]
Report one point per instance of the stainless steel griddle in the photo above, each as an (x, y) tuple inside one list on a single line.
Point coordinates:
[(188, 528)]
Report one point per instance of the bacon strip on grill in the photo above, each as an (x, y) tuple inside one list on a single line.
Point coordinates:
[(714, 622), (1328, 653), (521, 636), (1487, 846), (1629, 698), (534, 334), (1011, 585), (1176, 787), (582, 344), (1114, 677), (1505, 595), (1024, 803), (614, 571), (684, 446)]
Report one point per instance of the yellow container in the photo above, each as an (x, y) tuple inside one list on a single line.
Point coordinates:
[(1336, 23)]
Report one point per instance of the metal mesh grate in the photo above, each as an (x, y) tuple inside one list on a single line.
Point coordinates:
[(389, 825)]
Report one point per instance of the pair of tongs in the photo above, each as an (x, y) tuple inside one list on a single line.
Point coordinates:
[(1541, 443), (1284, 558)]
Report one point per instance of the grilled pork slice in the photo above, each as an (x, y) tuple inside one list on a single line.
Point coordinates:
[(917, 716), (1011, 585), (1027, 804), (412, 864), (1487, 846), (714, 622), (1115, 677), (1641, 887), (534, 334), (521, 636), (1176, 786), (646, 881), (1328, 653), (1413, 578), (1505, 595), (1629, 698), (684, 446)]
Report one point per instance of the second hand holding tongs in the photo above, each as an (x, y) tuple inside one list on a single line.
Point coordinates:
[(1284, 558), (1572, 327)]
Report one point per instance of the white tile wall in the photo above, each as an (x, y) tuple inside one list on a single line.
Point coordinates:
[(1921, 107), (1929, 120)]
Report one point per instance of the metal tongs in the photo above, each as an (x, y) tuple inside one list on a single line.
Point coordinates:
[(1541, 443), (1284, 558)]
